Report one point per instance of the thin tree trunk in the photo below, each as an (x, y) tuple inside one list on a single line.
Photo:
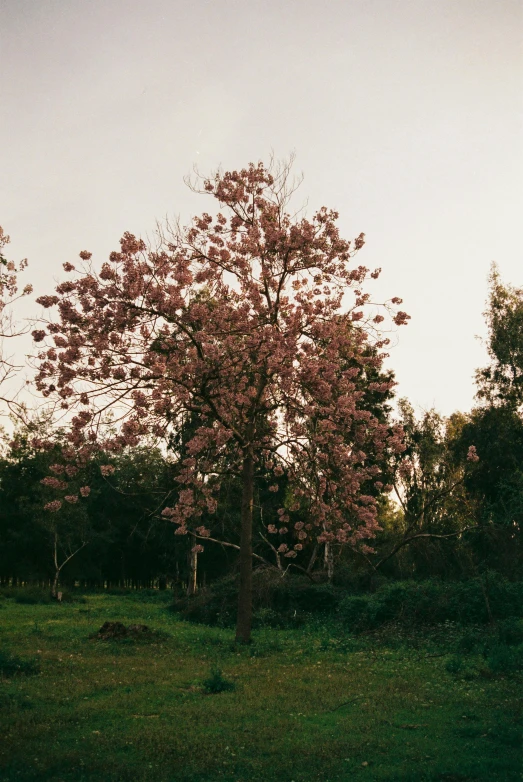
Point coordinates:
[(312, 559), (54, 587), (329, 560), (484, 589), (192, 584), (244, 619)]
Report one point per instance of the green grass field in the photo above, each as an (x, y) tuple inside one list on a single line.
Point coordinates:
[(307, 704)]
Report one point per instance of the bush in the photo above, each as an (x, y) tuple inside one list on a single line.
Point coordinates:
[(505, 659), (510, 632), (469, 642), (295, 593), (215, 607), (277, 602), (10, 665), (32, 595), (38, 595), (293, 600), (430, 602), (458, 666)]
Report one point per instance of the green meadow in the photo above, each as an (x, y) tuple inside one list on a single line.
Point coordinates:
[(310, 703)]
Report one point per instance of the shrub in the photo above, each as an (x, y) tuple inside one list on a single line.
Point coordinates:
[(430, 602), (295, 593), (216, 606), (510, 632), (469, 642), (505, 659), (277, 602), (32, 595)]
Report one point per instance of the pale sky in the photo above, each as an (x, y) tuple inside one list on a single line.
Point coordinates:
[(406, 117)]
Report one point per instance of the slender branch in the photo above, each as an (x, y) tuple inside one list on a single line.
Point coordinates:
[(422, 535), (231, 545), (70, 556)]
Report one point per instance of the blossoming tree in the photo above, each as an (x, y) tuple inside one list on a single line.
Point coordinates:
[(9, 293), (242, 322)]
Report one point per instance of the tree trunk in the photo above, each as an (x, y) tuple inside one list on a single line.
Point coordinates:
[(329, 560), (54, 588), (244, 619), (192, 583), (484, 589)]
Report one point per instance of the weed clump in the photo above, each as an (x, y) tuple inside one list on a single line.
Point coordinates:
[(216, 683)]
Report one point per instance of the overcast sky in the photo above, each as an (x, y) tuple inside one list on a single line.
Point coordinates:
[(405, 116)]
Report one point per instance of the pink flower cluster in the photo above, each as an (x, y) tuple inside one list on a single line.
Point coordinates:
[(472, 456)]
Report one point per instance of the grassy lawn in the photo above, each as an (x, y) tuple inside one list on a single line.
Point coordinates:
[(307, 705)]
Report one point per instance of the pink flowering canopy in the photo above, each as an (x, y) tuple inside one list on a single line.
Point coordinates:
[(254, 324), (9, 294)]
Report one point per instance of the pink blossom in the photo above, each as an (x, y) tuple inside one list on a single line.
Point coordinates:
[(53, 506), (472, 455), (53, 483), (401, 318), (302, 535)]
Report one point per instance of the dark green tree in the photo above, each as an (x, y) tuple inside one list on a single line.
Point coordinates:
[(501, 382)]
